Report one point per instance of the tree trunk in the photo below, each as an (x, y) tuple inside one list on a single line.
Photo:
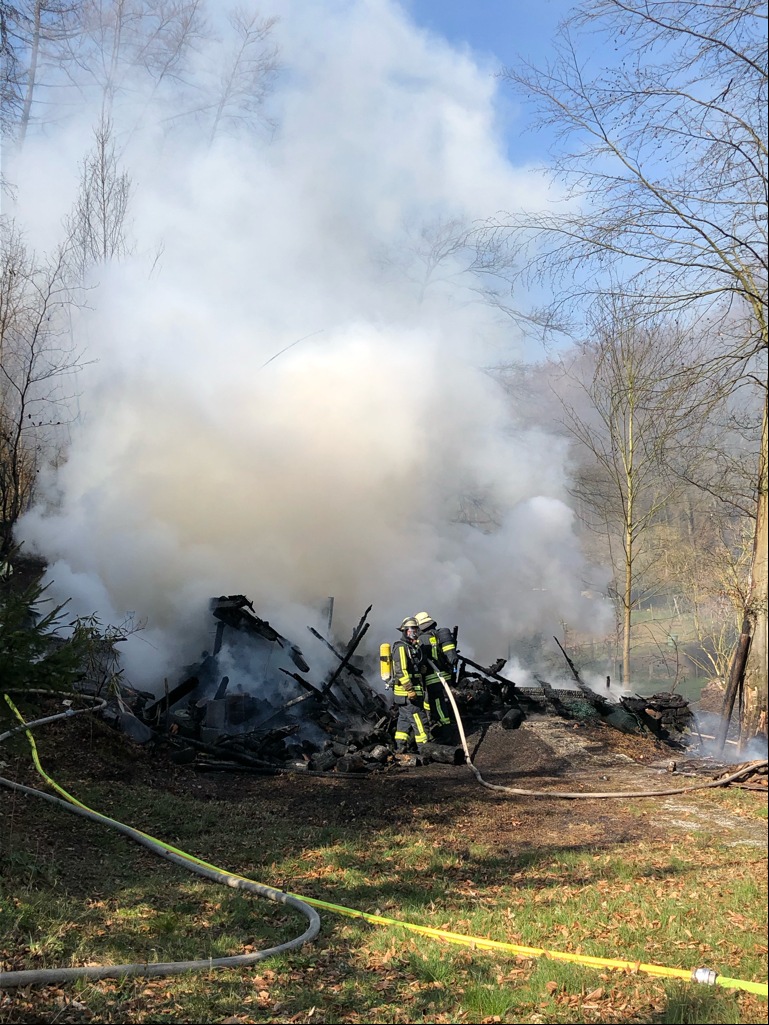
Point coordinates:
[(753, 723), (626, 626), (735, 684), (629, 555)]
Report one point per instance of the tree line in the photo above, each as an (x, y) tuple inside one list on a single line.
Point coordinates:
[(660, 259), (656, 262)]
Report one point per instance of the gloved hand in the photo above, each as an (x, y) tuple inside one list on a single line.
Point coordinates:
[(412, 696)]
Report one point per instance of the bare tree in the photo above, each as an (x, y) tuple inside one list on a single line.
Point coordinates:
[(639, 405), (709, 563), (36, 357), (45, 29), (61, 52), (448, 255), (244, 77), (97, 225), (8, 64), (665, 157), (125, 44)]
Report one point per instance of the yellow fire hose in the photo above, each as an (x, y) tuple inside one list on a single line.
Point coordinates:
[(701, 975)]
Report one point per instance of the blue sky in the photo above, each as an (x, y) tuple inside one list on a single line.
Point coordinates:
[(500, 28), (498, 32)]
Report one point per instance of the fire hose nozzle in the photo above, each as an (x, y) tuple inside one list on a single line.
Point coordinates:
[(704, 975)]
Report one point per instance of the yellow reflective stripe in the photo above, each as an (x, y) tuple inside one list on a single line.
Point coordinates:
[(421, 735)]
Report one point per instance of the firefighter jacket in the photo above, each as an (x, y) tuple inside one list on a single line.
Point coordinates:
[(439, 653), (407, 670)]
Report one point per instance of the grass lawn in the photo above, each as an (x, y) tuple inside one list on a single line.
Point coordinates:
[(602, 881)]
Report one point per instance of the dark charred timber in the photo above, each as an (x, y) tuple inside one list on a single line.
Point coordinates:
[(490, 671), (357, 638), (373, 704), (477, 696), (665, 715), (153, 709), (605, 709), (444, 753), (221, 690), (237, 612), (351, 694), (352, 669), (357, 691), (600, 704), (220, 750), (574, 672), (304, 684), (284, 708), (351, 763), (554, 702), (358, 631), (512, 719), (324, 761)]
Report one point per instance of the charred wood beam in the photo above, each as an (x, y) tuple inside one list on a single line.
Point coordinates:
[(359, 631), (254, 738), (301, 681), (486, 670), (574, 672), (553, 700), (219, 637), (352, 669), (366, 698), (170, 697), (351, 694), (217, 751), (357, 638), (231, 610), (288, 704), (221, 690), (442, 753), (237, 612), (599, 703)]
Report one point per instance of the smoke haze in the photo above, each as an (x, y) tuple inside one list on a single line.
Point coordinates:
[(281, 399)]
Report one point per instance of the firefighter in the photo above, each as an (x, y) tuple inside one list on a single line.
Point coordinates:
[(408, 688), (439, 654)]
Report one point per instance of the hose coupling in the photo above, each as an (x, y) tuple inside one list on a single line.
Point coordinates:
[(704, 975)]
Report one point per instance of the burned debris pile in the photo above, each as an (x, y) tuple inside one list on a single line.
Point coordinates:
[(252, 701), (257, 701), (665, 715)]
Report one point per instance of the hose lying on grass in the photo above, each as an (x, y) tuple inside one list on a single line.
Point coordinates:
[(706, 976), (48, 976)]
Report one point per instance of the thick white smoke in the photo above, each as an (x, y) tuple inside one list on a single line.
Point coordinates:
[(283, 403)]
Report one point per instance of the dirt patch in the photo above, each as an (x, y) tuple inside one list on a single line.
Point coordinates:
[(542, 756)]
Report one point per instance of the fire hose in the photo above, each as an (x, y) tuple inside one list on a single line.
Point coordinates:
[(744, 770), (48, 976), (306, 905)]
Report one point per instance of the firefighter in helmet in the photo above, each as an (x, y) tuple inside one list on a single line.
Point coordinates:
[(439, 655), (408, 688)]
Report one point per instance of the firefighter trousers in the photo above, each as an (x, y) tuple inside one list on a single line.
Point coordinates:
[(411, 723)]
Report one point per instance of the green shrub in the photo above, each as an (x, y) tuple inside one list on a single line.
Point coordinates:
[(38, 648)]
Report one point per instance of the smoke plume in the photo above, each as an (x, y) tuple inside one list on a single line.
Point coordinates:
[(284, 393)]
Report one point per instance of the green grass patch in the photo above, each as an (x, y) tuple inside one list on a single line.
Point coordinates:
[(73, 893)]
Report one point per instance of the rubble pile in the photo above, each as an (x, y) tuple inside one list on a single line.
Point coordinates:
[(665, 715), (256, 701)]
